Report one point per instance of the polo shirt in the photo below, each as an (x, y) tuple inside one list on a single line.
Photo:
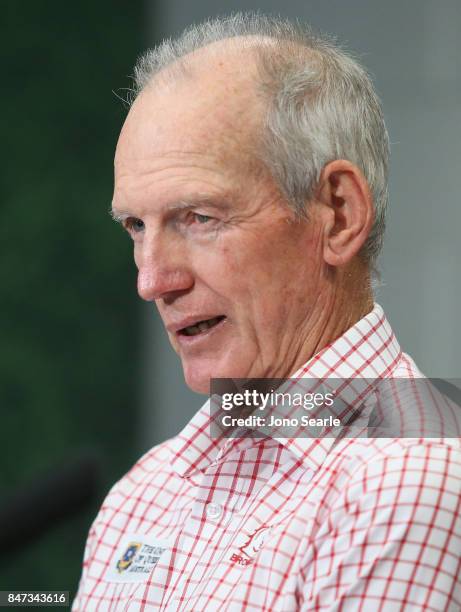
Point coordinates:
[(281, 524)]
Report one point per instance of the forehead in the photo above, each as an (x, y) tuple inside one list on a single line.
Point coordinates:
[(212, 107)]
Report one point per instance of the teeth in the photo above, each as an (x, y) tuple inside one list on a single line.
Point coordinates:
[(193, 330)]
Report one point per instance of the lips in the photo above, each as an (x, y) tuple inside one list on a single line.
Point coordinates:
[(200, 326)]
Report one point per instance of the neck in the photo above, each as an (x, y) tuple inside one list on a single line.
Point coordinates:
[(347, 299)]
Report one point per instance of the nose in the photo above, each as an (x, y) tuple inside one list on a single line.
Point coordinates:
[(155, 283), (162, 273)]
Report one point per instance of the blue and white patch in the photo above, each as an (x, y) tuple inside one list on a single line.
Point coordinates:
[(135, 558)]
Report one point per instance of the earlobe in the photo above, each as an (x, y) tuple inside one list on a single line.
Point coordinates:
[(348, 211), (338, 250)]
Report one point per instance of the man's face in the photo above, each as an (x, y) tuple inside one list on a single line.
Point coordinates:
[(234, 275)]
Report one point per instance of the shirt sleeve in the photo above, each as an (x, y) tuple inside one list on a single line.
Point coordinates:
[(88, 554), (392, 540)]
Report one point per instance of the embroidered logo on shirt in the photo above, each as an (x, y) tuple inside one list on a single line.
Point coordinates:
[(128, 556), (135, 558), (252, 545)]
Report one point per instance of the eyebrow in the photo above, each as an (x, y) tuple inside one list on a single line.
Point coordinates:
[(221, 202), (118, 216)]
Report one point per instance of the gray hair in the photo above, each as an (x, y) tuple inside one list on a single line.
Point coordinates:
[(321, 106)]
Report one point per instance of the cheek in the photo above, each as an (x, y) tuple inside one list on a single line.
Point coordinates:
[(219, 268), (267, 275)]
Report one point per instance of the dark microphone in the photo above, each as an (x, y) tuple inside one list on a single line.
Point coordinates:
[(35, 508)]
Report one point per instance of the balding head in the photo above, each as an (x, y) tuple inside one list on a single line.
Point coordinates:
[(210, 96), (318, 103)]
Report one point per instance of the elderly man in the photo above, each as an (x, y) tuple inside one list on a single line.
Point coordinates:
[(251, 174)]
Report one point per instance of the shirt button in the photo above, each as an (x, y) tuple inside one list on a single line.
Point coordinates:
[(213, 511)]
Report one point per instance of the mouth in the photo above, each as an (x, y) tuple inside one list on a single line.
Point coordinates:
[(201, 327)]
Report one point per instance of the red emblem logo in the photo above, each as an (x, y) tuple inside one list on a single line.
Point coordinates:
[(252, 546)]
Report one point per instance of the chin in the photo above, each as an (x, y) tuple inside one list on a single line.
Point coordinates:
[(199, 386), (198, 376), (198, 381)]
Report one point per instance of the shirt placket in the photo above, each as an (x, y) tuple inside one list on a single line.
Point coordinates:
[(202, 539), (217, 518)]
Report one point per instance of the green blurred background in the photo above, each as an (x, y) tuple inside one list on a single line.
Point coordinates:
[(69, 319)]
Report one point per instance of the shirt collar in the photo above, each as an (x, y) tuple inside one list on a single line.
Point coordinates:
[(368, 350)]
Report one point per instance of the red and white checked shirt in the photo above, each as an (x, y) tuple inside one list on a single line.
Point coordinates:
[(275, 524)]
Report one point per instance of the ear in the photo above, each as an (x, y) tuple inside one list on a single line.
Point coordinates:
[(346, 207)]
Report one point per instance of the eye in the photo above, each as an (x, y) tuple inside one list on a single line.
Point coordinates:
[(134, 225), (202, 219)]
